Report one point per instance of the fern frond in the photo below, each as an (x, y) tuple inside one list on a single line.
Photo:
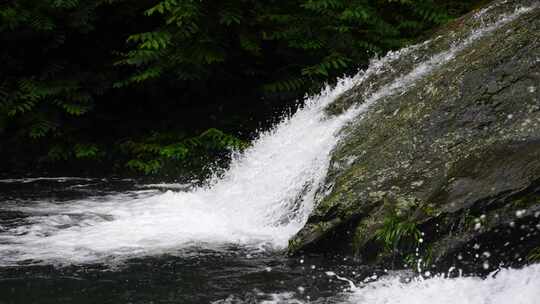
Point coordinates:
[(357, 14), (287, 85), (41, 127), (151, 40), (162, 7), (42, 23), (88, 151), (21, 107), (322, 6), (66, 4), (249, 44), (139, 57), (230, 16), (331, 62), (75, 109), (306, 43)]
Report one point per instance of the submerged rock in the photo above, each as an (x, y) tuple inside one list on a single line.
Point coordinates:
[(445, 167)]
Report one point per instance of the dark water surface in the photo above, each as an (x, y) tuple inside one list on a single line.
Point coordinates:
[(40, 221), (191, 275)]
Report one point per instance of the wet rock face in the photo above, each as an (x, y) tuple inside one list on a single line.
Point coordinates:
[(455, 155)]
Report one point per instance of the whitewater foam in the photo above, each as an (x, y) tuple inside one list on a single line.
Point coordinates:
[(507, 286), (39, 179), (261, 201), (516, 286)]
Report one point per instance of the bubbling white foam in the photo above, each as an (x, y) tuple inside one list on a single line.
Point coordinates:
[(507, 286), (263, 199)]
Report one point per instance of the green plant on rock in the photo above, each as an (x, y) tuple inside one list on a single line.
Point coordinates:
[(534, 255), (419, 260), (398, 233)]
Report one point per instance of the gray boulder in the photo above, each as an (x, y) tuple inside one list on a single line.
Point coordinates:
[(444, 166)]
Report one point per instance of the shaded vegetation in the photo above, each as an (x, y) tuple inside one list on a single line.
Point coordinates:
[(399, 235), (145, 85)]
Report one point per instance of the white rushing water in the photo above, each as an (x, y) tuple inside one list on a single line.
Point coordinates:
[(509, 286), (506, 286), (261, 201)]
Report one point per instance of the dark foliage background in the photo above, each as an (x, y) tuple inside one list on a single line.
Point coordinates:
[(164, 87)]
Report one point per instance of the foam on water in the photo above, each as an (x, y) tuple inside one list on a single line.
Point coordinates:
[(39, 179), (166, 186), (507, 286), (261, 201), (515, 286)]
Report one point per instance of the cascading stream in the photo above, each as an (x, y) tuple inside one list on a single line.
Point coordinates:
[(261, 201), (250, 205)]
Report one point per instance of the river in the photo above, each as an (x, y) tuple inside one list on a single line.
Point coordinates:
[(88, 240)]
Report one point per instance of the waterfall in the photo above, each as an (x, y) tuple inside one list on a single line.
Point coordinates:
[(262, 200)]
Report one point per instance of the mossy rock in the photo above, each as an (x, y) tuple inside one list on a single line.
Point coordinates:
[(463, 139)]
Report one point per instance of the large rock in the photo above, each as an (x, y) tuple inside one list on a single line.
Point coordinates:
[(448, 164)]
